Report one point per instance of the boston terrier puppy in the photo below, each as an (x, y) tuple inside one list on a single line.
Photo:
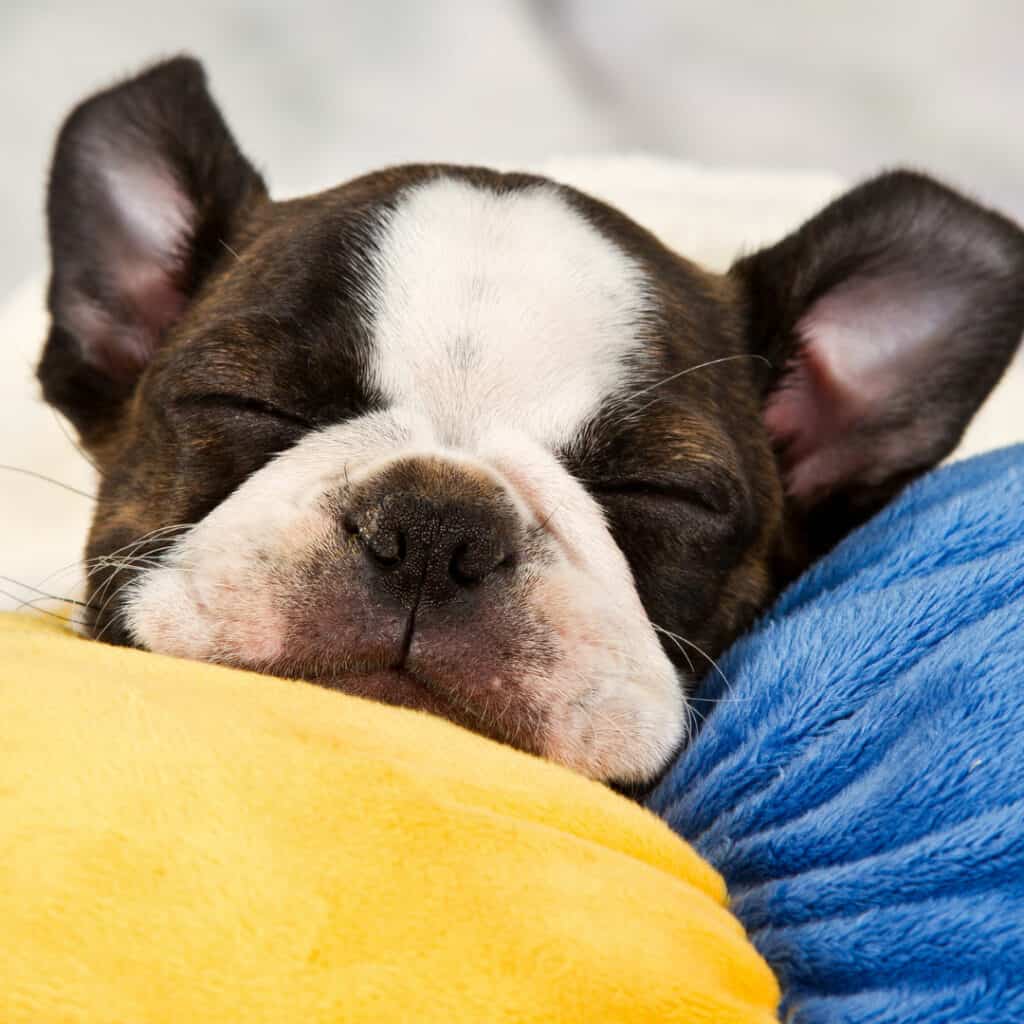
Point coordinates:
[(476, 443)]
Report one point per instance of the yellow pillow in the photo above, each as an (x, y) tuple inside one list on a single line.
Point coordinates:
[(182, 842)]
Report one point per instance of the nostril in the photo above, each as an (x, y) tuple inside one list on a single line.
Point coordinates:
[(459, 567), (387, 547), (472, 563)]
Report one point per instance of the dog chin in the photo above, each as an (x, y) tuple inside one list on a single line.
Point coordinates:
[(627, 748), (591, 710)]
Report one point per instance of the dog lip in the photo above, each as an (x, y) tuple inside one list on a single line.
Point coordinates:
[(337, 678), (397, 673), (389, 684), (414, 690)]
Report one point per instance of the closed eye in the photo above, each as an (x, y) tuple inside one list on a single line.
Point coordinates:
[(245, 403), (707, 499)]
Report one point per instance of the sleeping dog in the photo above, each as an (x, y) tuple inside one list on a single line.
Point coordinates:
[(476, 443)]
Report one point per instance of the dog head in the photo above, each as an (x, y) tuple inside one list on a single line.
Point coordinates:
[(475, 442)]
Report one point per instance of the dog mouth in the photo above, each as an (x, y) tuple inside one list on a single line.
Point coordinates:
[(401, 685), (392, 683), (421, 608)]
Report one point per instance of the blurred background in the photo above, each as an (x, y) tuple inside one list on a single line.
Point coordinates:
[(320, 90), (317, 91)]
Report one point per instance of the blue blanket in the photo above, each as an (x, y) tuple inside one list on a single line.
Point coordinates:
[(859, 780)]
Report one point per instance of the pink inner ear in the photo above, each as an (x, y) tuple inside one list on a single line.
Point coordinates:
[(863, 345), (141, 254), (154, 215)]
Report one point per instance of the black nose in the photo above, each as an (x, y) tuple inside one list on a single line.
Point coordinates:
[(430, 536)]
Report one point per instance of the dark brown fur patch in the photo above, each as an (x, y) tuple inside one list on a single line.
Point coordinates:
[(271, 341)]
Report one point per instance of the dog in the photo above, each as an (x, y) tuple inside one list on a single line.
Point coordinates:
[(474, 442)]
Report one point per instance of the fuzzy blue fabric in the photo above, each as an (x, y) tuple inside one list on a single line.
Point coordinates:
[(859, 781)]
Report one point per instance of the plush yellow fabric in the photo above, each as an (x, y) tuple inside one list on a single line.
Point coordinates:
[(181, 842)]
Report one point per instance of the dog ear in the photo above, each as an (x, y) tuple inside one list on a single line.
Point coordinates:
[(888, 318), (145, 187)]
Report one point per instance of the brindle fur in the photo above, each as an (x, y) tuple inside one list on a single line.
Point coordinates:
[(268, 312)]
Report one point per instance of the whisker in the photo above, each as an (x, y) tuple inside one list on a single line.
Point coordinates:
[(71, 441), (48, 479), (116, 569), (90, 567), (676, 640), (698, 366), (229, 249), (151, 535), (149, 560), (702, 653), (539, 529), (117, 611), (64, 570), (44, 594), (31, 603), (720, 700)]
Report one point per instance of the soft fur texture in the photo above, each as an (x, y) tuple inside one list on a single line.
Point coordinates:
[(860, 781), (181, 842), (709, 215)]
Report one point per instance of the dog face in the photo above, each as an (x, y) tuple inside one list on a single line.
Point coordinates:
[(476, 443)]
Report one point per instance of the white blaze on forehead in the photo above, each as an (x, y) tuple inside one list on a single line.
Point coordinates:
[(493, 308), (501, 322)]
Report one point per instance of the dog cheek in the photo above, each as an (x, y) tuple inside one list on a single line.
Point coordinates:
[(207, 616), (331, 619), (161, 616), (614, 704)]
